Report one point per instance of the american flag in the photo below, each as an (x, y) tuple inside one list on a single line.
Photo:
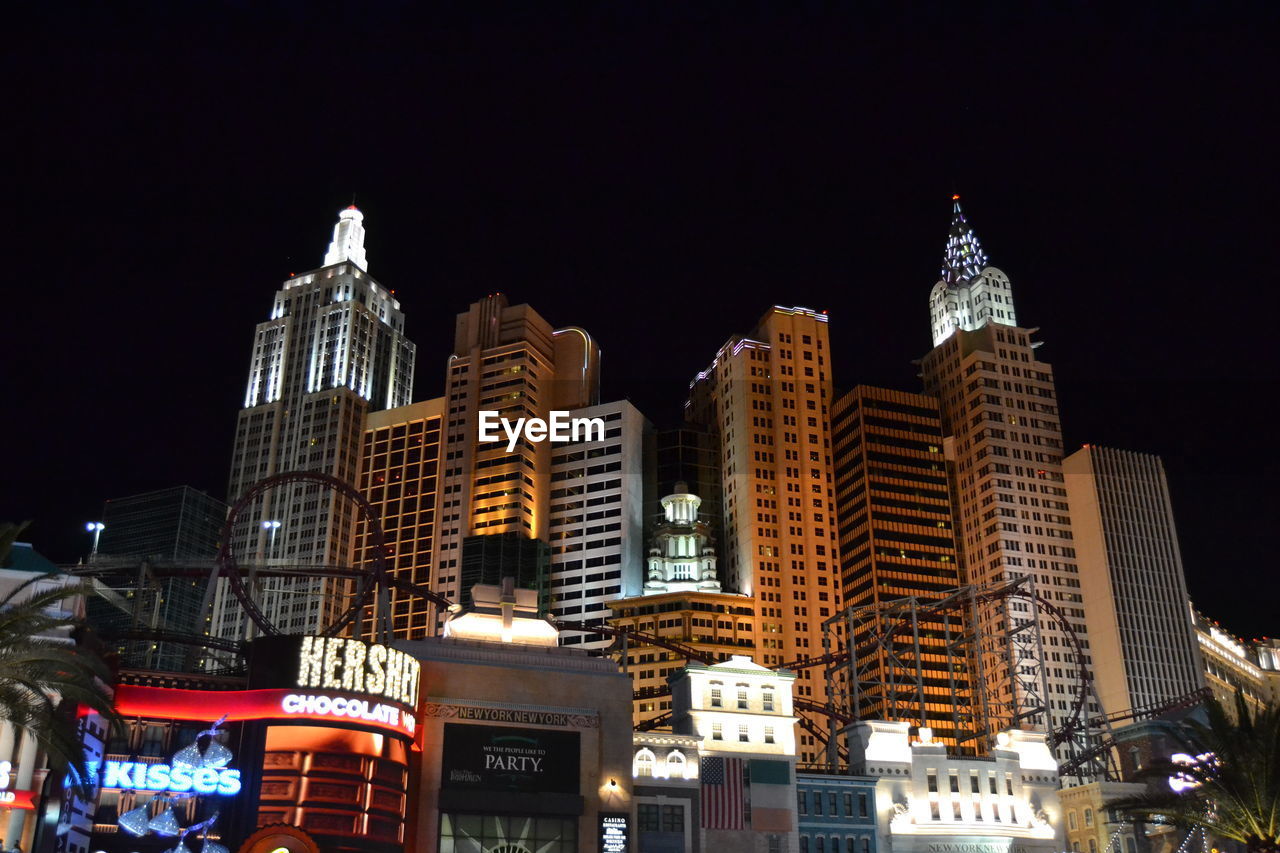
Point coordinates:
[(722, 800)]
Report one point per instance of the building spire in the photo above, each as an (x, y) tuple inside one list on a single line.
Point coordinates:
[(964, 257), (348, 240)]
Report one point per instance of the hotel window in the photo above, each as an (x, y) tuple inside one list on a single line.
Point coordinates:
[(955, 784), (804, 844), (644, 764), (715, 698), (817, 803), (821, 845), (973, 785), (717, 731), (862, 805), (933, 781), (768, 700), (1093, 846), (1071, 819), (831, 804), (866, 845), (742, 733), (802, 802), (768, 734), (742, 699), (673, 818), (1088, 817), (848, 804)]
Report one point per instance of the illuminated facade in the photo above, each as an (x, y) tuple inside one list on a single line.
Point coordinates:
[(681, 602), (333, 349), (1140, 630), (525, 745), (506, 359), (767, 397), (597, 519), (971, 293), (896, 541), (399, 476), (929, 801), (744, 716), (999, 408), (1232, 664), (317, 736), (1090, 827)]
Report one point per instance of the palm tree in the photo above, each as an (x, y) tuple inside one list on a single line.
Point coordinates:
[(43, 674), (1232, 785)]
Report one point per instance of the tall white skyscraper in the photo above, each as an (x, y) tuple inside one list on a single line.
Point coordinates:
[(332, 350), (1135, 594), (597, 519), (999, 405)]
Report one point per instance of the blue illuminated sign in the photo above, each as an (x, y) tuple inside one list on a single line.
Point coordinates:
[(134, 776)]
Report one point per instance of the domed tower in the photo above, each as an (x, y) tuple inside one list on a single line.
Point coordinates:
[(682, 556)]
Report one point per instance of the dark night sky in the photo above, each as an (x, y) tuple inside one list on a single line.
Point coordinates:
[(659, 178)]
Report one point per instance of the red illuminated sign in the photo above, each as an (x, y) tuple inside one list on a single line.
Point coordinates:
[(17, 799), (283, 704)]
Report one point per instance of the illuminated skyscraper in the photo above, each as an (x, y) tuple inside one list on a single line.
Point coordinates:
[(509, 360), (332, 350), (893, 500), (1140, 627), (399, 476), (999, 406), (767, 397)]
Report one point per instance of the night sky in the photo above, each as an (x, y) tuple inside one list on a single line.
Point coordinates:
[(659, 178)]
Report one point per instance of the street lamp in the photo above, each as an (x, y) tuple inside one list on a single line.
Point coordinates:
[(272, 526), (96, 528)]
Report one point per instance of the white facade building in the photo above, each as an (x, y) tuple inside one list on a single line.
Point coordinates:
[(332, 350), (930, 802), (744, 716), (597, 519), (1135, 594)]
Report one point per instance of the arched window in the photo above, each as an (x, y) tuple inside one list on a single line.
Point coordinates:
[(644, 764), (675, 764)]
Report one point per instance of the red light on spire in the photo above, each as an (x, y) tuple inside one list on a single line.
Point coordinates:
[(955, 196)]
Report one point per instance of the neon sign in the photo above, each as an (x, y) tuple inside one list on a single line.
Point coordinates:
[(335, 663), (135, 776), (174, 704), (340, 706)]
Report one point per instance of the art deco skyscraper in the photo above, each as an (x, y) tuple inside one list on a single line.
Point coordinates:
[(1140, 628), (332, 350), (506, 359), (998, 403), (767, 397)]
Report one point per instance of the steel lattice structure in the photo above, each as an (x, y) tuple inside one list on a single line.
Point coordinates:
[(880, 674)]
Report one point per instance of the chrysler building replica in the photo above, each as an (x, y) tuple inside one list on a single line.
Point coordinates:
[(332, 350), (999, 407), (682, 558)]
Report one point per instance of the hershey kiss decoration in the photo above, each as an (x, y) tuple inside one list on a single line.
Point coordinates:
[(139, 822)]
